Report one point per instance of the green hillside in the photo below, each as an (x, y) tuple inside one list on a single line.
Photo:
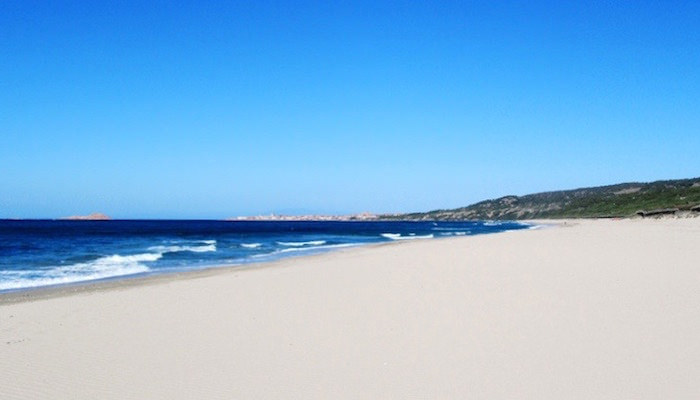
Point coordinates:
[(621, 200)]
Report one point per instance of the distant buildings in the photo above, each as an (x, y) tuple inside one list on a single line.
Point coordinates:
[(365, 216), (91, 217)]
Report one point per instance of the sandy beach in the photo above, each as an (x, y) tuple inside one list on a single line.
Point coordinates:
[(606, 309)]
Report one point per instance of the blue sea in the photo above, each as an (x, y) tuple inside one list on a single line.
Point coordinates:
[(36, 253)]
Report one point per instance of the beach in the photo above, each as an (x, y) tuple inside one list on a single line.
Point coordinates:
[(581, 309)]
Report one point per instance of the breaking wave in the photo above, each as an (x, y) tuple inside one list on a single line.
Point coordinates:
[(100, 268), (454, 233), (312, 248), (103, 267), (398, 236), (299, 244), (195, 249)]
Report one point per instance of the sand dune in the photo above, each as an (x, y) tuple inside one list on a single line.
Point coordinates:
[(588, 310)]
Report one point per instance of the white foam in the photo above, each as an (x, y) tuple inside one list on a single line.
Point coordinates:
[(299, 244), (195, 249), (454, 233), (311, 248), (251, 245), (306, 249), (397, 236), (103, 267)]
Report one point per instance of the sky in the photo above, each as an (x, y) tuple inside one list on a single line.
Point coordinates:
[(208, 110)]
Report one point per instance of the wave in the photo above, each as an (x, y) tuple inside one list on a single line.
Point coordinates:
[(195, 249), (453, 233), (311, 248), (299, 244), (103, 267), (492, 223), (251, 245), (304, 249), (398, 236)]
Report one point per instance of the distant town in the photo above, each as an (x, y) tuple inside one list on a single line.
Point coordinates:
[(365, 216), (91, 217)]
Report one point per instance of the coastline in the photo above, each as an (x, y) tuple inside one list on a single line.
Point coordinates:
[(155, 276), (587, 309), (137, 280), (35, 255)]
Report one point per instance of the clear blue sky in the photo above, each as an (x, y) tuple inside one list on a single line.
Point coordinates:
[(202, 110)]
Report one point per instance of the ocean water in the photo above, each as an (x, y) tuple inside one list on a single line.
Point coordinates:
[(36, 253)]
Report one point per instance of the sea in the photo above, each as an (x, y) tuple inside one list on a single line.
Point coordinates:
[(37, 253)]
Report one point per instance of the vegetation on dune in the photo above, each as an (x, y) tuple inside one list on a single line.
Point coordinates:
[(621, 200)]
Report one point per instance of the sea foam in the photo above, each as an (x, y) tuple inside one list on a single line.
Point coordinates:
[(313, 248), (454, 233), (103, 267), (195, 249), (299, 244), (398, 236)]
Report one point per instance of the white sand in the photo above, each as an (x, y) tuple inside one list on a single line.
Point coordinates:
[(600, 310)]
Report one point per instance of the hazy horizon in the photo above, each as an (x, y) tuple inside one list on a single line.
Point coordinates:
[(201, 110)]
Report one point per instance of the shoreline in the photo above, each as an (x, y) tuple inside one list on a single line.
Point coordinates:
[(154, 277), (31, 294), (131, 265), (589, 309), (128, 281)]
